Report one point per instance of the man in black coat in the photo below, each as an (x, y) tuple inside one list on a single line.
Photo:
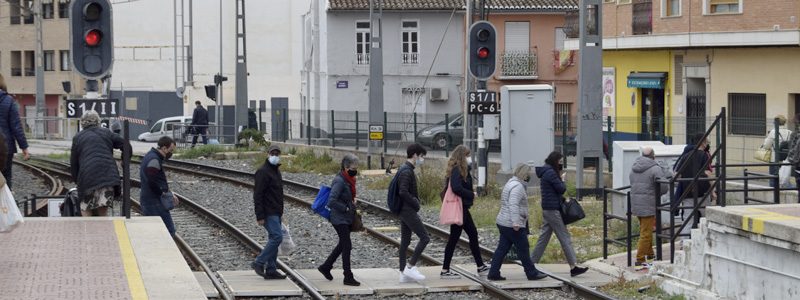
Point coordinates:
[(93, 166), (410, 221), (268, 203), (199, 123)]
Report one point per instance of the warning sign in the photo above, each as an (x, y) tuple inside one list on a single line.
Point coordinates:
[(376, 132)]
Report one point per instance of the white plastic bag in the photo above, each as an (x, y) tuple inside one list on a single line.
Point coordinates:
[(287, 245), (784, 173), (10, 216)]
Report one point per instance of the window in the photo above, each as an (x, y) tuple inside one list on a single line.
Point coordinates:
[(64, 60), (131, 103), (670, 8), (609, 1), (16, 63), (49, 64), (678, 74), (623, 1), (723, 6), (47, 10), (748, 115), (63, 9), (410, 42), (14, 11), (562, 111), (362, 42), (157, 127), (560, 38), (27, 17), (30, 63), (517, 36)]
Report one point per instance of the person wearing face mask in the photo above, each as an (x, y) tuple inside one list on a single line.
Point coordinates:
[(409, 216), (342, 202), (512, 221), (154, 182), (460, 181), (93, 166), (268, 203), (553, 189)]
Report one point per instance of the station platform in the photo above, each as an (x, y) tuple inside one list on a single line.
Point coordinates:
[(94, 258)]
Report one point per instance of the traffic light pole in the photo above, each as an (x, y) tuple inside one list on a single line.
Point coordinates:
[(220, 105), (40, 102), (483, 160), (376, 115)]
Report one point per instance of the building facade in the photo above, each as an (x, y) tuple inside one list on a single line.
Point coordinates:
[(675, 64)]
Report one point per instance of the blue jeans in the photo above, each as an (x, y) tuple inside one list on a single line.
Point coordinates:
[(269, 256), (158, 210), (518, 239)]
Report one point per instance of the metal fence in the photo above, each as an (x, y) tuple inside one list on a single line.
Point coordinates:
[(50, 128), (184, 134)]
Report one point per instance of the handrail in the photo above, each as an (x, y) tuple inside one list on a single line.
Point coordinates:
[(627, 219)]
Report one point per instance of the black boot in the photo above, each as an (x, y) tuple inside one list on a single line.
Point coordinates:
[(259, 268), (350, 280), (326, 271)]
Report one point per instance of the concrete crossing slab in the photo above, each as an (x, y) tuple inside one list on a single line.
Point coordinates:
[(434, 284), (335, 286), (206, 284), (248, 284), (387, 281), (591, 278), (516, 279)]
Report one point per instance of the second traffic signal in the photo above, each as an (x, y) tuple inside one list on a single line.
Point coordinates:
[(92, 45), (482, 50)]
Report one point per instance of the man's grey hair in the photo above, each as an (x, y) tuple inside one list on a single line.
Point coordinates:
[(90, 118), (522, 170), (647, 151), (349, 161)]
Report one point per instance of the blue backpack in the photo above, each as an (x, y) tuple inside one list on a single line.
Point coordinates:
[(393, 198), (320, 205)]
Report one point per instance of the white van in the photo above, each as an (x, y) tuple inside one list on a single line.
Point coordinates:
[(164, 127)]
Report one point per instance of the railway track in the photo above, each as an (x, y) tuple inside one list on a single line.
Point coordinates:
[(30, 203)]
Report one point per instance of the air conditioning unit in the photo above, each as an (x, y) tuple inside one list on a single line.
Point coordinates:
[(438, 94)]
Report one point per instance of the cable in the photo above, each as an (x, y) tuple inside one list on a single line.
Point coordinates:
[(419, 96)]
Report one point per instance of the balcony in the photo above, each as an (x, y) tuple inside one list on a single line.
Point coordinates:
[(642, 17), (519, 65), (362, 58), (411, 58), (572, 24), (16, 71)]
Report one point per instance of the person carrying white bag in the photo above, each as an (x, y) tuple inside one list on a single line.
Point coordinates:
[(10, 217)]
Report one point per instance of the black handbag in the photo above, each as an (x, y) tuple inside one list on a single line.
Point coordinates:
[(358, 224), (571, 211), (167, 201)]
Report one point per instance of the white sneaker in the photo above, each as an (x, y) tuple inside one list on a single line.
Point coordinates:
[(413, 273), (405, 279)]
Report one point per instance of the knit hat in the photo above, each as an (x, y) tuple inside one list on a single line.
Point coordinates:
[(273, 148)]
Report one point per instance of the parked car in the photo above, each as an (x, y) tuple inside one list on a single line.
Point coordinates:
[(436, 137), (164, 127)]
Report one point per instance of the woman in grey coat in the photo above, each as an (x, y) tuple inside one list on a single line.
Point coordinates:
[(643, 177), (342, 202), (512, 221)]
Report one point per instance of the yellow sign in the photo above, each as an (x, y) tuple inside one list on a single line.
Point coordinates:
[(376, 136)]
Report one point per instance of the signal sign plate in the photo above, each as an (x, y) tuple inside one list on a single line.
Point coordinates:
[(104, 107), (481, 103), (376, 132)]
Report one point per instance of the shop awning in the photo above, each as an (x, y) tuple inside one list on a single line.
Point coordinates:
[(647, 80)]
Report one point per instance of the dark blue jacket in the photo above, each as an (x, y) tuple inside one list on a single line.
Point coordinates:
[(340, 201), (200, 116), (553, 188), (153, 178), (10, 124), (462, 188), (268, 192)]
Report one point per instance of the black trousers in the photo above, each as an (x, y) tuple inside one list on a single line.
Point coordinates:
[(343, 248), (410, 222), (467, 226)]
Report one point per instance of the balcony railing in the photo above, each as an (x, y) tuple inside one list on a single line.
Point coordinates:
[(642, 17), (362, 58), (16, 71), (410, 58), (30, 72), (519, 65)]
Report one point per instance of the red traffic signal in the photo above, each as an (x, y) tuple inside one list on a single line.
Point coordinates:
[(93, 38), (483, 52)]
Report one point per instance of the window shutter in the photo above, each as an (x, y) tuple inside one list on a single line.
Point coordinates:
[(517, 36), (678, 75)]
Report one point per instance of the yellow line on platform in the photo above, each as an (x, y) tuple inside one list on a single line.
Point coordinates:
[(135, 283), (753, 219)]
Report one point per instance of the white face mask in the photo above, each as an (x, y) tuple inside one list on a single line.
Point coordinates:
[(420, 160), (469, 160), (274, 160)]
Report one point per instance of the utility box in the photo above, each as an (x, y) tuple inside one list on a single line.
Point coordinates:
[(491, 127), (625, 154), (526, 125)]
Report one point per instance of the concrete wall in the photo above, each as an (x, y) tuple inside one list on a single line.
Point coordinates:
[(340, 60)]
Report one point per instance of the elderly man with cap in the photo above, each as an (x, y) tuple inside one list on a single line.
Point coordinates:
[(643, 177), (268, 203), (93, 166)]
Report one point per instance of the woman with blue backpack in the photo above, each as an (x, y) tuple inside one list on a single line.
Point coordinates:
[(342, 204)]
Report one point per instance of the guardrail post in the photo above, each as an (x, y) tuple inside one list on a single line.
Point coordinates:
[(776, 189), (415, 127), (659, 255), (285, 124), (447, 135), (308, 127), (333, 130), (628, 216), (746, 187), (564, 128), (605, 224), (609, 142), (723, 185), (385, 136), (357, 137)]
